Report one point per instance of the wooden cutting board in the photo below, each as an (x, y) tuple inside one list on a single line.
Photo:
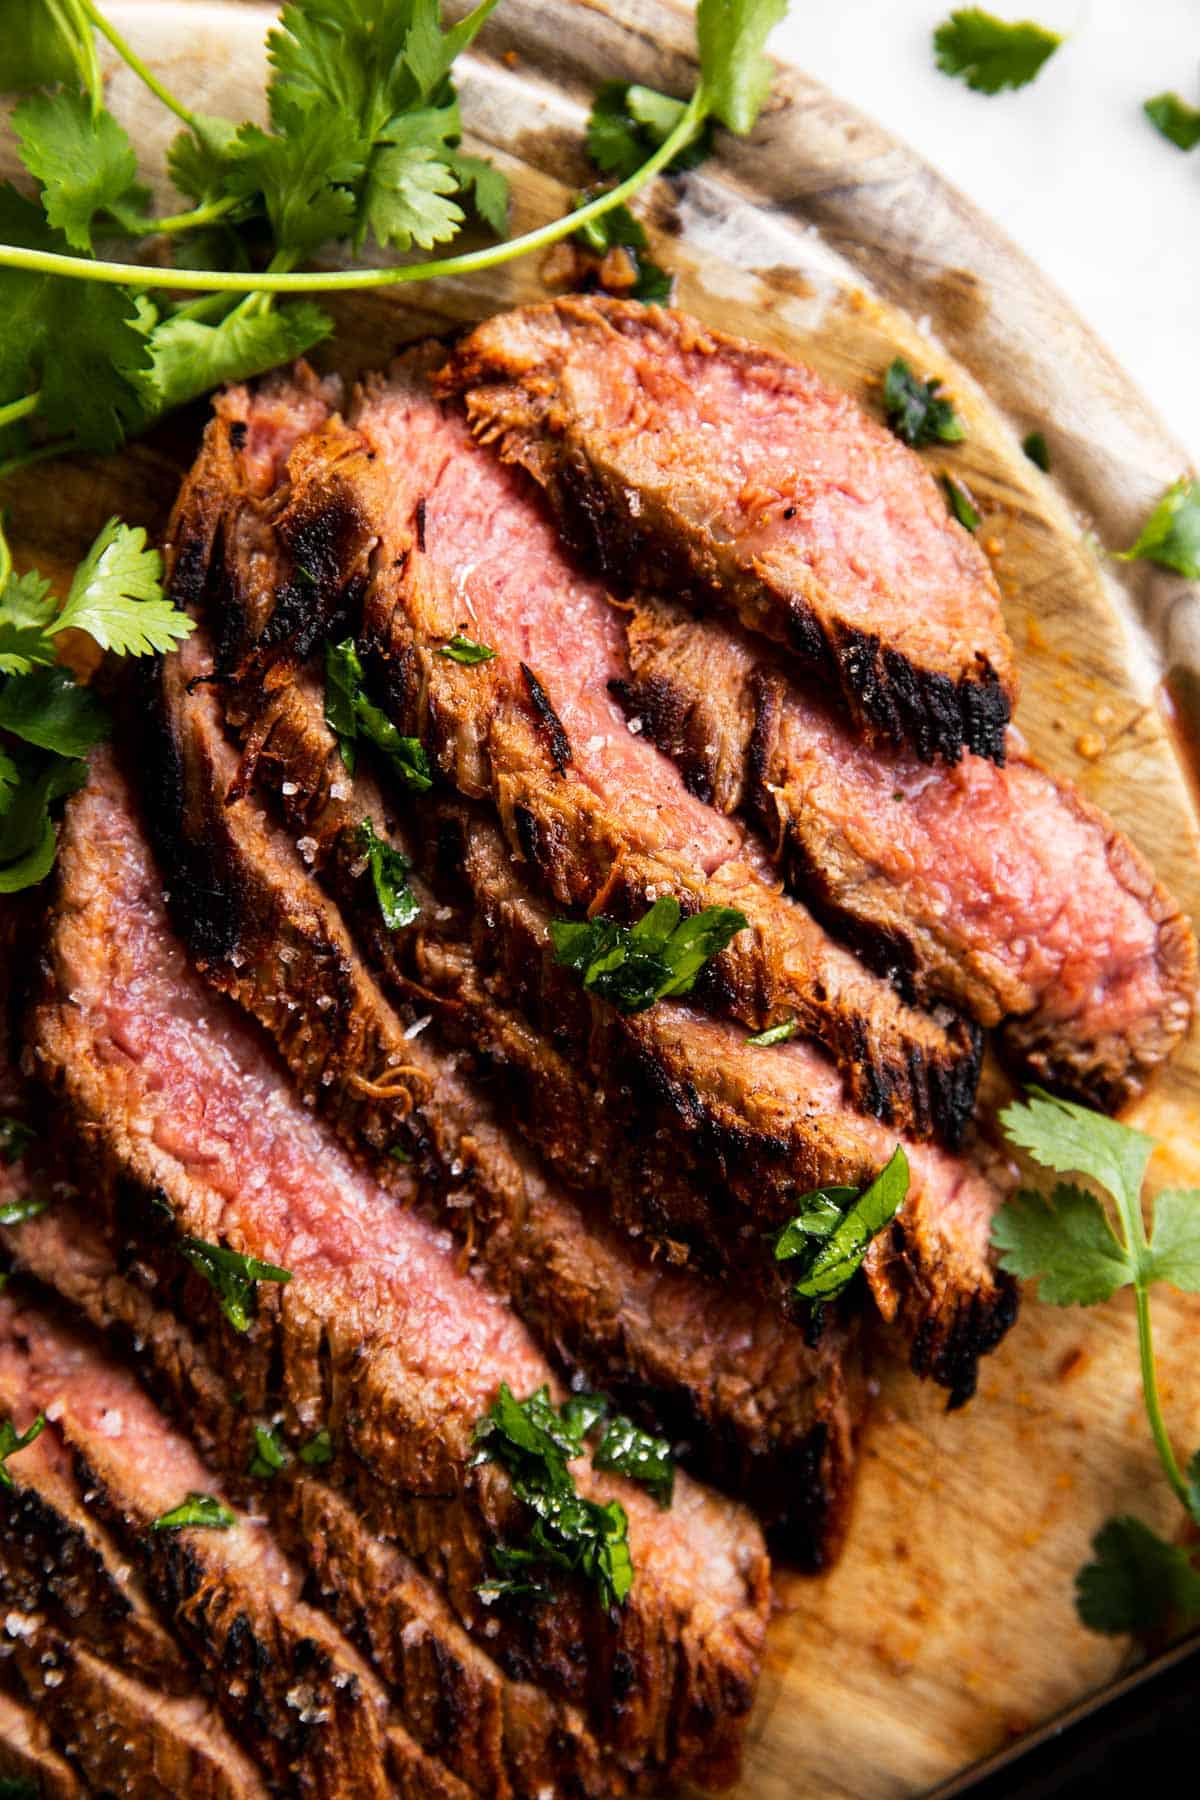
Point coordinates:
[(948, 1627)]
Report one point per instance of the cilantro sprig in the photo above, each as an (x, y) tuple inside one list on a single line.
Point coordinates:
[(363, 140), (204, 1510), (990, 53), (834, 1228), (232, 1276), (633, 966), (1083, 1249), (1171, 535)]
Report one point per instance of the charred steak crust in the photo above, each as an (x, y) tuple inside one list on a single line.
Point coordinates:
[(672, 1675), (1004, 892), (698, 464), (769, 1415)]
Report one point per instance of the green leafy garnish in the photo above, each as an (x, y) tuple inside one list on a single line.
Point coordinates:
[(232, 1275), (632, 967), (1171, 535), (628, 122), (269, 1454), (84, 162), (1082, 1251), (776, 1034), (961, 504), (644, 1458), (990, 53), (11, 1441), (196, 1509), (835, 1227), (116, 596), (351, 716), (465, 650), (1037, 450), (318, 1452), (389, 875), (619, 229), (15, 1212), (15, 1138), (1175, 119), (916, 410)]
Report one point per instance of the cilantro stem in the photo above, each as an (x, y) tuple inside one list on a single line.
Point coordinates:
[(5, 561), (220, 281), (199, 215), (19, 409), (130, 56), (1154, 1412), (71, 18)]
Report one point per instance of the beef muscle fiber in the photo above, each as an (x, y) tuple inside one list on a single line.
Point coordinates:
[(682, 459)]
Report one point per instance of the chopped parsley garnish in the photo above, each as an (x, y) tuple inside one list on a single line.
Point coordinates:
[(11, 1442), (389, 876), (465, 650), (318, 1451), (269, 1454), (776, 1034), (916, 410), (990, 53), (1037, 450), (535, 1441), (1082, 1249), (350, 715), (633, 966), (232, 1275), (960, 502), (1171, 535), (196, 1509), (15, 1139), (1175, 119), (835, 1227)]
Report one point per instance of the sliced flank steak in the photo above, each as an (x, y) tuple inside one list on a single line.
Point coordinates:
[(29, 1761), (701, 465), (1000, 890), (378, 1337)]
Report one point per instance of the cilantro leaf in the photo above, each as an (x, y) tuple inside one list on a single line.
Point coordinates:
[(389, 875), (916, 410), (486, 187), (1174, 1253), (190, 357), (196, 1509), (28, 1206), (962, 507), (1178, 122), (231, 1275), (11, 1442), (638, 1454), (318, 1452), (990, 53), (465, 650), (44, 45), (734, 73), (269, 1454), (200, 158), (628, 122), (1037, 450), (837, 1232), (1067, 1241), (1171, 535), (49, 708), (776, 1034), (1136, 1581), (10, 775), (407, 200), (351, 715), (26, 608), (116, 596), (305, 175), (1071, 1139), (83, 160), (27, 836), (661, 955), (15, 1139)]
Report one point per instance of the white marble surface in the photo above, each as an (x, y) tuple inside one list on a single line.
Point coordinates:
[(1068, 166)]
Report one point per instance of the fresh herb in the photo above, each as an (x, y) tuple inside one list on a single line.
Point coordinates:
[(534, 1442), (15, 1139), (231, 1275), (389, 875), (1082, 1251), (776, 1034), (116, 597), (1037, 450), (269, 1455), (196, 1509), (916, 410), (632, 967), (644, 1458), (628, 122), (465, 650), (11, 1442), (350, 715), (961, 505), (1171, 535), (318, 1452), (363, 140), (618, 230), (990, 53), (399, 1154), (15, 1212), (1175, 119), (835, 1227)]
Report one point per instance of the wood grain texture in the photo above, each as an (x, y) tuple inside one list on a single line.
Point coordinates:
[(949, 1625)]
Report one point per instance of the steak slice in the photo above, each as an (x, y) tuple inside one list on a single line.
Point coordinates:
[(1000, 890), (770, 1415), (377, 1337), (28, 1760), (699, 464)]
